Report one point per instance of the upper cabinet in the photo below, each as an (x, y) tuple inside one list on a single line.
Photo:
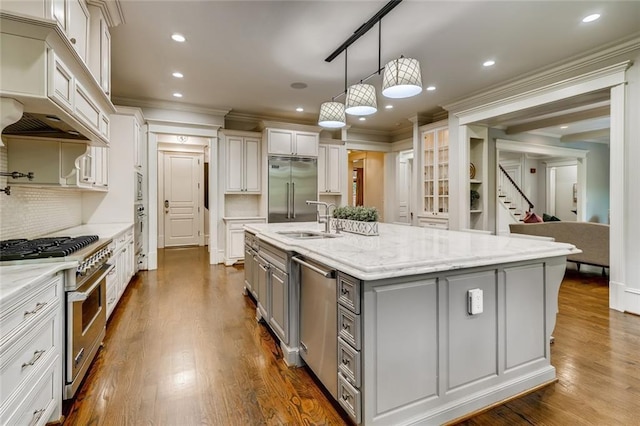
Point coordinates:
[(331, 160), (242, 155), (100, 52), (435, 190), (78, 27), (56, 163), (292, 142), (57, 63)]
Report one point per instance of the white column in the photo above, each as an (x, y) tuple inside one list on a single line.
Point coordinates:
[(625, 193)]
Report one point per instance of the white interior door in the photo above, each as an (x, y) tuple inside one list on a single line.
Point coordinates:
[(181, 199)]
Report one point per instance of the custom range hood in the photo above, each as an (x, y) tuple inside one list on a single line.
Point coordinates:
[(44, 126)]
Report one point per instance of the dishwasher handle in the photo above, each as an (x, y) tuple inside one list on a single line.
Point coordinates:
[(327, 274)]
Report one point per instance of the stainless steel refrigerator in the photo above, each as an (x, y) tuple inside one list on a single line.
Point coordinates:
[(292, 181)]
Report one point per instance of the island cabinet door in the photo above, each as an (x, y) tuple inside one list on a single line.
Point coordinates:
[(262, 288), (399, 384), (279, 304)]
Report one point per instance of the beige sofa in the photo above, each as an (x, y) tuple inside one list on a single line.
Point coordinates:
[(591, 238)]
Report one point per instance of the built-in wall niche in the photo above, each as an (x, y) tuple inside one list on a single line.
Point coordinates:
[(478, 177), (241, 205)]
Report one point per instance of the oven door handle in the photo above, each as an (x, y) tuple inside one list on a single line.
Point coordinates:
[(81, 296)]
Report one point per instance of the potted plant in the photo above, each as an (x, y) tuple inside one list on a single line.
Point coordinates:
[(356, 219)]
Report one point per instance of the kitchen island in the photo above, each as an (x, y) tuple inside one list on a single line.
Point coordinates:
[(410, 350)]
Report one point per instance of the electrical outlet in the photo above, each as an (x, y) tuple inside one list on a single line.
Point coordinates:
[(474, 301)]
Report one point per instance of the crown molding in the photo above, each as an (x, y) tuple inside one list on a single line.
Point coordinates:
[(175, 106), (111, 10), (548, 76)]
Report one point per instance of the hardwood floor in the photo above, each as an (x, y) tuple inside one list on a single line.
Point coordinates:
[(183, 348)]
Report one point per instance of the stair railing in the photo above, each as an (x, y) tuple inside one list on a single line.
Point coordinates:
[(512, 191)]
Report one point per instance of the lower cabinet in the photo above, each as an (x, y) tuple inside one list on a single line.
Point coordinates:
[(433, 222), (349, 346), (279, 312), (235, 237), (267, 278), (123, 258), (31, 354)]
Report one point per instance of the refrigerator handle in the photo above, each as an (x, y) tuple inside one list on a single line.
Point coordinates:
[(287, 199), (293, 198)]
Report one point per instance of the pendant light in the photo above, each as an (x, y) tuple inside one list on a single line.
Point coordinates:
[(332, 115), (361, 100), (402, 78)]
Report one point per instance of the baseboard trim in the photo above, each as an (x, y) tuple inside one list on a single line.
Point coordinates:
[(632, 300), (617, 295)]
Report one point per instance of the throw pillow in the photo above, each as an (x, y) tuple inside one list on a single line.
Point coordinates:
[(531, 217)]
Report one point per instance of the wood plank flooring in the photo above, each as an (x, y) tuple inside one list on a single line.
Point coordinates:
[(183, 348)]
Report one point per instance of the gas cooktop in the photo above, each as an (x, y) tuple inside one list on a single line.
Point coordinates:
[(42, 248)]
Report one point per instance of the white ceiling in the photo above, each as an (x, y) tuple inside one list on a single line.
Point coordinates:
[(243, 56)]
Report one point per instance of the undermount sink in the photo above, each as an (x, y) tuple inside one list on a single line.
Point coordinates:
[(306, 235)]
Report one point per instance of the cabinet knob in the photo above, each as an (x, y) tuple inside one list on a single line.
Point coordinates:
[(72, 40)]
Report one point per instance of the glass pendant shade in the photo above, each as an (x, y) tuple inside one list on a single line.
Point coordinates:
[(402, 78), (361, 100), (332, 115)]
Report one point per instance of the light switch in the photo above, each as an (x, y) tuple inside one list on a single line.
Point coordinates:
[(474, 301)]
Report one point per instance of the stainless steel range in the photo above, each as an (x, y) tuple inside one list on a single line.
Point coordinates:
[(85, 294)]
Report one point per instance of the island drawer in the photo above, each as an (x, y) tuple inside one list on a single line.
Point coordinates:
[(349, 363), (349, 398), (349, 292), (349, 327), (29, 310)]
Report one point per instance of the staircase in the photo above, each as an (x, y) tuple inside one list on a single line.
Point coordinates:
[(512, 198)]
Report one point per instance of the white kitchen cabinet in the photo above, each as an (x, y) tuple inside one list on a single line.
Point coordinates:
[(31, 354), (292, 142), (94, 168), (435, 161), (78, 27), (56, 163), (234, 227), (100, 49), (242, 163), (330, 165), (123, 258), (41, 60)]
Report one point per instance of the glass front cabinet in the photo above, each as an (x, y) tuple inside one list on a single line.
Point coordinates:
[(435, 151)]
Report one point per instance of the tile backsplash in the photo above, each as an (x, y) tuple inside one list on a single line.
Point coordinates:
[(29, 212)]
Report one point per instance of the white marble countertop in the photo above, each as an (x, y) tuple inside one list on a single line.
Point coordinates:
[(17, 279), (407, 250), (102, 230)]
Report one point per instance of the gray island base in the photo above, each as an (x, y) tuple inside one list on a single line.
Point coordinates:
[(409, 345)]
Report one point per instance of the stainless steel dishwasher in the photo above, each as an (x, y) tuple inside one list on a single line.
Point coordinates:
[(318, 321)]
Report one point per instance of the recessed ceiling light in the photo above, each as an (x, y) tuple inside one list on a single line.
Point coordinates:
[(178, 37), (362, 119), (298, 85), (488, 63), (564, 127), (591, 18), (388, 106), (177, 95), (299, 109), (431, 88), (177, 74)]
